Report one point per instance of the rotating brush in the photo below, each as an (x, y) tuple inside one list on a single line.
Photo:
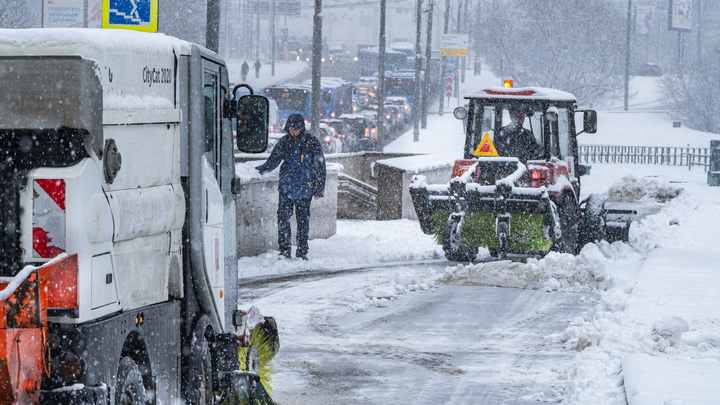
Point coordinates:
[(264, 337)]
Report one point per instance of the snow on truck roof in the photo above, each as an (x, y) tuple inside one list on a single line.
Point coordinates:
[(136, 69), (529, 93), (86, 42)]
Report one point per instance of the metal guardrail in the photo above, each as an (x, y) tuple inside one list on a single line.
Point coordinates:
[(658, 155)]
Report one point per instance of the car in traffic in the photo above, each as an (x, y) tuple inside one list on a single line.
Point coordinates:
[(361, 132), (403, 104), (329, 139)]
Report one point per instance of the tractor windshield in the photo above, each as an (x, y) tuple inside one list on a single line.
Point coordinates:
[(519, 130)]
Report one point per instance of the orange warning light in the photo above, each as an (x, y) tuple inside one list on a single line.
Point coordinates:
[(508, 83)]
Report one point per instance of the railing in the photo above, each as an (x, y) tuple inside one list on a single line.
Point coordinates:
[(658, 155)]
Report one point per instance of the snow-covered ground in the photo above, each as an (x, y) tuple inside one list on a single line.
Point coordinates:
[(653, 337)]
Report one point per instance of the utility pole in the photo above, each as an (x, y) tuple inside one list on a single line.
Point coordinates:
[(428, 57), (381, 74), (316, 69), (272, 38), (212, 30), (444, 61), (418, 32), (698, 16), (627, 56), (465, 31)]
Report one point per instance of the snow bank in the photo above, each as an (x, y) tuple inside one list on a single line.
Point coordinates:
[(555, 272)]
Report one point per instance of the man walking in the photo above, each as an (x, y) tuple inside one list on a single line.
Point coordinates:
[(244, 70), (302, 177), (257, 68)]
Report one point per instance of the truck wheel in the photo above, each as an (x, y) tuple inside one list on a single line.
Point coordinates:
[(129, 389), (204, 377)]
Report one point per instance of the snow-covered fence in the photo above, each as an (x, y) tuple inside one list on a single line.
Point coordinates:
[(659, 155)]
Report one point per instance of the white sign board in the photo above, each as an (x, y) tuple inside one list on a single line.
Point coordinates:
[(681, 15), (644, 17), (63, 13), (454, 45)]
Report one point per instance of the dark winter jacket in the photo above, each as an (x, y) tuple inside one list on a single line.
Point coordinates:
[(302, 173), (245, 68), (515, 141)]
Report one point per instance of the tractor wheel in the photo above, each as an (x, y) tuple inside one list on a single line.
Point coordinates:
[(129, 389), (464, 254), (592, 222), (568, 242), (451, 242)]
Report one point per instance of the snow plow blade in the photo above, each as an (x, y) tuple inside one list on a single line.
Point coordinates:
[(23, 325), (617, 224)]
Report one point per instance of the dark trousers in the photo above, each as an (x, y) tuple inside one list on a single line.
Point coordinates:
[(302, 213)]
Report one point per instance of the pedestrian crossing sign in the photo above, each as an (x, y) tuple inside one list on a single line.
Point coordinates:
[(486, 147), (138, 15)]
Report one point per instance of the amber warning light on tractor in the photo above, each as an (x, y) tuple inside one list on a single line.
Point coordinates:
[(508, 84)]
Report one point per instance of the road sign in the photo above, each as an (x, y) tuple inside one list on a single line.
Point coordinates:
[(138, 15), (680, 15), (449, 79), (454, 45)]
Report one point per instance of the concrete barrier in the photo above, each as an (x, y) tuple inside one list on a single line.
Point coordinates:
[(394, 177), (257, 210)]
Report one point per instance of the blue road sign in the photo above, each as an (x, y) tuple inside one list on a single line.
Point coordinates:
[(129, 12)]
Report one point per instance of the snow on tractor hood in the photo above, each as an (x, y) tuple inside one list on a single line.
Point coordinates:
[(521, 93)]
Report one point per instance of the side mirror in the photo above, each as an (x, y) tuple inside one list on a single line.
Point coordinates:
[(590, 121), (460, 113), (253, 114), (551, 114)]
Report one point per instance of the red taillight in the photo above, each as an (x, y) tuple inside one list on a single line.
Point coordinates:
[(538, 174), (399, 115), (387, 117), (327, 138)]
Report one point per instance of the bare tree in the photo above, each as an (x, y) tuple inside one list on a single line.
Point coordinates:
[(572, 45), (692, 93), (17, 14)]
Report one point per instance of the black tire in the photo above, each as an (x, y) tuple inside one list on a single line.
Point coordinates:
[(465, 254), (129, 389), (199, 388), (568, 212), (451, 244), (592, 222)]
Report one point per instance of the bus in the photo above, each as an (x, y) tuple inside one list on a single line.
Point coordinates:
[(368, 61), (296, 99), (290, 99), (402, 83)]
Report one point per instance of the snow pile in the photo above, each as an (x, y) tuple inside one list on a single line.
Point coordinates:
[(406, 280), (555, 272), (631, 188)]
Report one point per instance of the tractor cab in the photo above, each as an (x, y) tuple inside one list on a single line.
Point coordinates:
[(517, 187), (530, 124)]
